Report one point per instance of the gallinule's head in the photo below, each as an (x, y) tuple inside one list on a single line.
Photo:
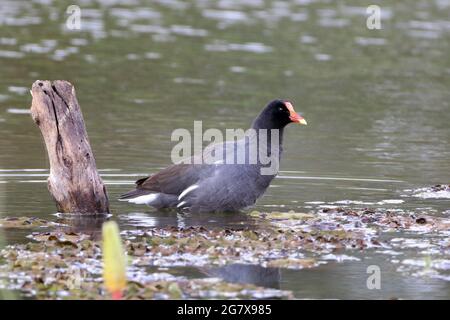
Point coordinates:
[(276, 115)]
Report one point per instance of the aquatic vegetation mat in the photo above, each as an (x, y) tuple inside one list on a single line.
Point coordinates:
[(24, 223), (60, 264)]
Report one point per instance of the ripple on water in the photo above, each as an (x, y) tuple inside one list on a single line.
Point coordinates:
[(333, 23), (386, 12), (132, 56), (90, 58), (322, 57), (425, 29), (362, 41), (223, 46), (188, 80), (425, 34), (225, 15), (307, 39), (135, 14), (18, 90), (433, 192), (152, 55), (426, 267), (44, 47), (61, 54), (11, 54), (79, 42), (391, 201), (428, 25), (339, 257), (8, 41), (238, 69), (148, 28), (94, 26), (92, 13), (173, 4), (188, 31), (18, 111), (348, 202), (20, 21)]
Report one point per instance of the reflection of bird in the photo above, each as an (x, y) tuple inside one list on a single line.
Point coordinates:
[(246, 273), (205, 185)]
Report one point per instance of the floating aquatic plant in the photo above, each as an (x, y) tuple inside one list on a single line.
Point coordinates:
[(24, 222), (46, 266)]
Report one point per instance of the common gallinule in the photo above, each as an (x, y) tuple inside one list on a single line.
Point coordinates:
[(230, 184)]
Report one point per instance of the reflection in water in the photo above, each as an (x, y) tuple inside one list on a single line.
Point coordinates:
[(246, 273), (348, 280), (162, 219), (87, 224)]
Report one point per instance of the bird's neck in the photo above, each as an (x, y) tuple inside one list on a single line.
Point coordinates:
[(267, 133), (260, 124)]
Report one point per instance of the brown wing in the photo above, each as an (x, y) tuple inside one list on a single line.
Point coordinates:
[(173, 179)]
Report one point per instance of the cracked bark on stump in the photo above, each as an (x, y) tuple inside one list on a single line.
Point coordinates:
[(74, 181)]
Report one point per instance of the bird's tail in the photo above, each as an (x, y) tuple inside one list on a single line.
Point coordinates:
[(133, 194)]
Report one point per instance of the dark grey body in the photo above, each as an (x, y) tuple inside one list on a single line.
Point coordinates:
[(214, 186)]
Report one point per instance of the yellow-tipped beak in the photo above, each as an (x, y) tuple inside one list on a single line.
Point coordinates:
[(297, 118), (294, 116)]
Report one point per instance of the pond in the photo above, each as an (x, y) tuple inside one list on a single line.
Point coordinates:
[(377, 104)]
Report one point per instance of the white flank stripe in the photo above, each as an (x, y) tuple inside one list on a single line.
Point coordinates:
[(181, 204), (187, 190)]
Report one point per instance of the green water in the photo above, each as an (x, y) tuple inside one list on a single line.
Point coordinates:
[(377, 104)]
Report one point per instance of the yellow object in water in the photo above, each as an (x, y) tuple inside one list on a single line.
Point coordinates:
[(114, 261)]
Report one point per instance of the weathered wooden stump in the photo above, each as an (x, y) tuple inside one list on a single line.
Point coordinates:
[(74, 181)]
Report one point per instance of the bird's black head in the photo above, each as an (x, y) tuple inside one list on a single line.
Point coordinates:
[(276, 115)]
